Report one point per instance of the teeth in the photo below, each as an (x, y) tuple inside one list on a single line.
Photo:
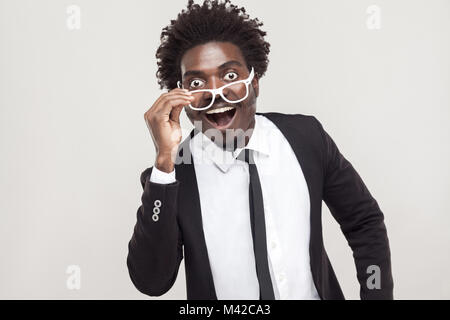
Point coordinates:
[(219, 110)]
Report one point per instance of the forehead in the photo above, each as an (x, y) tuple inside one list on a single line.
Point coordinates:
[(208, 57)]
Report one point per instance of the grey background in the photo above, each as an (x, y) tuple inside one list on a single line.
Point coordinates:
[(73, 140)]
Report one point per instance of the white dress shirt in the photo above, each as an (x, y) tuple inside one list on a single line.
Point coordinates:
[(223, 185)]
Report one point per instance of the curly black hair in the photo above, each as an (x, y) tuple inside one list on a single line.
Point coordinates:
[(214, 20)]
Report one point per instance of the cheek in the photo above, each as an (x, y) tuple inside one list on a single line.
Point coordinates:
[(251, 101), (191, 114)]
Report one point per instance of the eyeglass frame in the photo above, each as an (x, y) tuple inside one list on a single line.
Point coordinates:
[(219, 91)]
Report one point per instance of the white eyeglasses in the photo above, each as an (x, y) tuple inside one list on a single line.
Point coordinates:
[(204, 98)]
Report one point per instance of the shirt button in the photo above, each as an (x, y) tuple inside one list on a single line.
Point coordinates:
[(281, 277)]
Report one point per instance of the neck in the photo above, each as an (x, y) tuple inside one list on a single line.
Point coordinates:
[(240, 137)]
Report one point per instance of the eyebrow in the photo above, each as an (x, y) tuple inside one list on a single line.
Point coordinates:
[(222, 66)]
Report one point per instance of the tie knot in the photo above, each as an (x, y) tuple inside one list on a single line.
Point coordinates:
[(247, 156)]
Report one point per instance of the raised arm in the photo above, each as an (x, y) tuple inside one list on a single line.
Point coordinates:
[(155, 249)]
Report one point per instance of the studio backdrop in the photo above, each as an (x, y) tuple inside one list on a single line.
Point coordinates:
[(76, 78)]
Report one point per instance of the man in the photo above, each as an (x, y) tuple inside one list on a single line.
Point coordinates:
[(243, 193)]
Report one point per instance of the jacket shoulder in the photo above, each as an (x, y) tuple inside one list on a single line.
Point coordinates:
[(294, 118), (303, 132), (307, 124)]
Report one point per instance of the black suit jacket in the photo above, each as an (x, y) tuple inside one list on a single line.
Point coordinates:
[(164, 227)]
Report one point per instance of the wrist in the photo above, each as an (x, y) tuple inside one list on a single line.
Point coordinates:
[(164, 163)]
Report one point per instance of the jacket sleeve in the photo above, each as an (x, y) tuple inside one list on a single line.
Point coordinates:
[(361, 221), (155, 249)]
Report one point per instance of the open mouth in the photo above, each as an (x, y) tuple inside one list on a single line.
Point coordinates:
[(221, 117)]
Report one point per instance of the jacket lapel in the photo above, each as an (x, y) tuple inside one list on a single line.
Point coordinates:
[(298, 133), (199, 280)]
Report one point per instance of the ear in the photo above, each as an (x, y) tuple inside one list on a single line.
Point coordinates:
[(255, 84)]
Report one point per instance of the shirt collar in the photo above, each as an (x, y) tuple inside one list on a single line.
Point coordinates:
[(208, 150)]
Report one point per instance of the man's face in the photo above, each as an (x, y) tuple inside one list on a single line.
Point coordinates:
[(213, 65)]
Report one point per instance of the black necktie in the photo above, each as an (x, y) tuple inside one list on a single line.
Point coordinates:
[(258, 228)]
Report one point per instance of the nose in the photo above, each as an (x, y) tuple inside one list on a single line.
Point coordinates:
[(214, 83)]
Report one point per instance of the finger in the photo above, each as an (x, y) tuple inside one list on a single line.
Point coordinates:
[(175, 94), (166, 105), (167, 95), (179, 90)]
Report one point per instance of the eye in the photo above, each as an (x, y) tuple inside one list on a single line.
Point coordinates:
[(196, 83), (231, 76)]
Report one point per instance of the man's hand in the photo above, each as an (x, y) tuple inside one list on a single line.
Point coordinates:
[(163, 122)]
